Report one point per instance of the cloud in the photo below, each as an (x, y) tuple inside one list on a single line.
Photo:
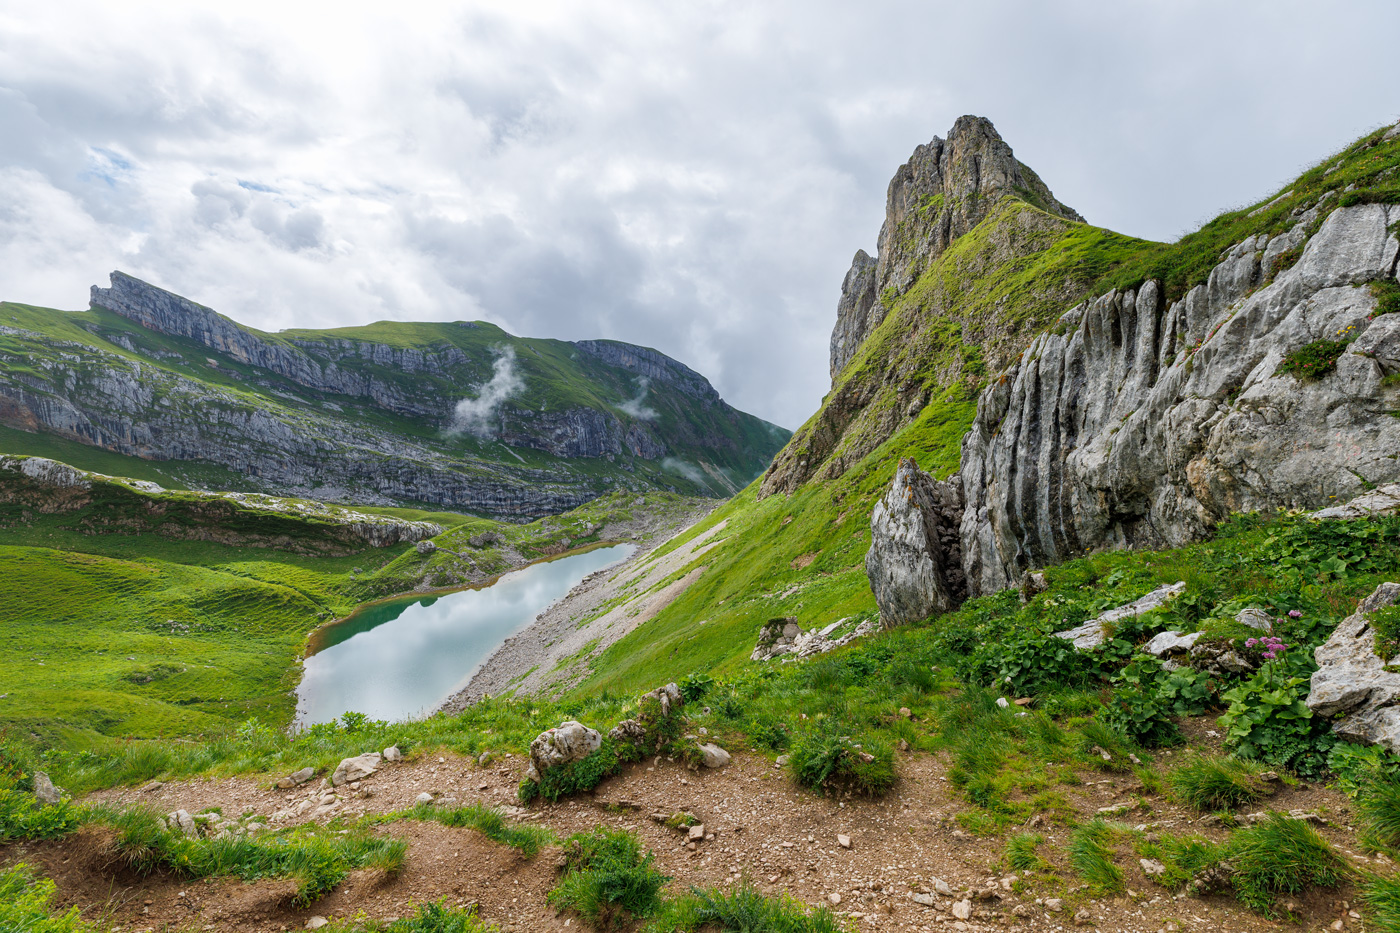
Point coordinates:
[(476, 416), (634, 408), (687, 469), (691, 177)]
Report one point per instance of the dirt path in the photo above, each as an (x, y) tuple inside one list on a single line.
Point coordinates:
[(759, 826)]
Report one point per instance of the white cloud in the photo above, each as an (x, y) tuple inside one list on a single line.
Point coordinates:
[(634, 407), (693, 177), (476, 416)]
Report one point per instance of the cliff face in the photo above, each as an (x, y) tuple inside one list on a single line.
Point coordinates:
[(1144, 423), (369, 414), (1254, 365)]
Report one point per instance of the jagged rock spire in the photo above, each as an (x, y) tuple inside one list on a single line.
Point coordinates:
[(942, 192)]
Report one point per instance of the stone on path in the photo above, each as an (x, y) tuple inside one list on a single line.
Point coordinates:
[(355, 769)]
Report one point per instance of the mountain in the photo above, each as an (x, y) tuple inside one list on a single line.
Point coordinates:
[(454, 415), (1077, 389)]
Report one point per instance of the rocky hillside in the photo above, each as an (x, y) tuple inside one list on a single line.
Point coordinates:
[(460, 415), (1077, 388)]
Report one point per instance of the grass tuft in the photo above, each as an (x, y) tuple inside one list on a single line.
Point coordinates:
[(1210, 784), (1092, 859), (1021, 854), (743, 909), (1281, 856), (607, 880)]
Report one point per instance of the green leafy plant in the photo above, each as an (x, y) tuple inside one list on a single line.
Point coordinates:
[(607, 880), (1267, 718), (574, 777), (23, 817), (24, 904), (695, 686), (437, 917)]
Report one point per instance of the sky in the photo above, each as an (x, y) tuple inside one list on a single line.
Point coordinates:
[(693, 177)]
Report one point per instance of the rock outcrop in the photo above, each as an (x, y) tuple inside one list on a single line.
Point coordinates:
[(1096, 631), (1352, 685), (784, 638), (915, 558), (1142, 422), (942, 192), (554, 748)]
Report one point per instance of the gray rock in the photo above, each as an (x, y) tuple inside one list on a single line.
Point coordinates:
[(423, 798), (355, 769), (1152, 868), (1095, 632), (1179, 415), (44, 791), (569, 741), (915, 560), (425, 547), (181, 821), (1256, 619), (714, 756), (927, 900), (297, 778), (1165, 643), (1383, 500), (1351, 684), (392, 753)]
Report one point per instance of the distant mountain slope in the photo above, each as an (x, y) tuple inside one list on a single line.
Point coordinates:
[(460, 415)]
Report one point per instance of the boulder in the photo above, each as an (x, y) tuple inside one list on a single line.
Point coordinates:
[(355, 769), (1165, 643), (1256, 619), (392, 753), (569, 741), (714, 756), (915, 558), (1352, 684), (425, 547), (44, 791), (1221, 659), (1095, 632), (297, 778), (181, 821)]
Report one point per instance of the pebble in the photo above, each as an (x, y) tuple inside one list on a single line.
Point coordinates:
[(843, 841)]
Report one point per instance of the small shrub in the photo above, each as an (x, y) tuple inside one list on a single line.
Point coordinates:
[(1387, 295), (607, 880), (1267, 718), (827, 761), (743, 909), (1021, 854), (1281, 856), (695, 686), (1092, 859), (1210, 784), (1312, 361), (23, 817), (1285, 260)]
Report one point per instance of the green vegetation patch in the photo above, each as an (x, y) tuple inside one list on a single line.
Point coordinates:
[(1312, 361), (608, 880)]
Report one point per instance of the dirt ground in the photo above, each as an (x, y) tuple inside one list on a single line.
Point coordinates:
[(758, 826)]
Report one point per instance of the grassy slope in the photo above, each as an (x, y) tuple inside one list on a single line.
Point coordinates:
[(86, 618), (931, 337)]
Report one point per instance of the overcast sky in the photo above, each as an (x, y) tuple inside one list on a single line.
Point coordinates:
[(690, 176)]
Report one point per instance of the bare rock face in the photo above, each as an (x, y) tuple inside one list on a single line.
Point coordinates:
[(942, 192), (914, 562), (1139, 422), (1352, 683), (569, 741)]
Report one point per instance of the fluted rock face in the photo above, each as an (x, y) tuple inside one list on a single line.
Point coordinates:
[(942, 192), (915, 560), (1138, 422), (1352, 686)]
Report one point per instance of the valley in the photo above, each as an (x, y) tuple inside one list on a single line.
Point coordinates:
[(1071, 606)]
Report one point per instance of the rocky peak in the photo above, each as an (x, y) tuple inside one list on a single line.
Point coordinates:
[(651, 364), (942, 192)]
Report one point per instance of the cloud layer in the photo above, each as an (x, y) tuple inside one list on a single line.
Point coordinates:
[(692, 177)]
